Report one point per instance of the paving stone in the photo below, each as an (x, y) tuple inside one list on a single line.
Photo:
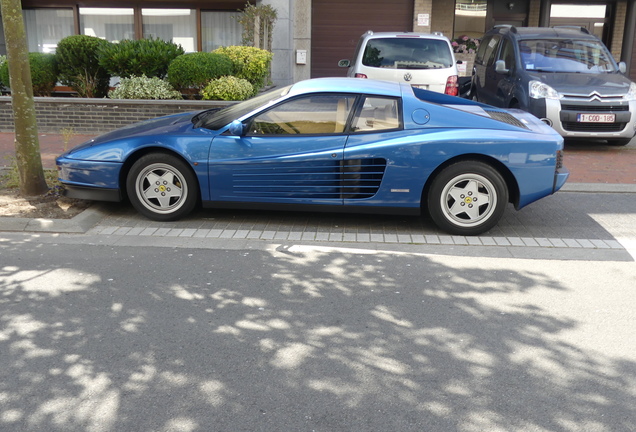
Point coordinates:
[(188, 232), (557, 242), (572, 243)]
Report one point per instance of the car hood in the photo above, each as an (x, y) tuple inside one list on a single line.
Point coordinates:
[(167, 125), (581, 84)]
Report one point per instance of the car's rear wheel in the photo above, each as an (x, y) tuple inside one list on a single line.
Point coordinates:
[(467, 198), (162, 187)]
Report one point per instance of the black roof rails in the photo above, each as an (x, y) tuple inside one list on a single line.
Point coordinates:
[(581, 29)]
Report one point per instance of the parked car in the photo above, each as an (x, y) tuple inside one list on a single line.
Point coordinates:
[(334, 144), (423, 60), (565, 76)]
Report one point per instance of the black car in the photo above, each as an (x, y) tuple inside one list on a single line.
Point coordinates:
[(563, 75)]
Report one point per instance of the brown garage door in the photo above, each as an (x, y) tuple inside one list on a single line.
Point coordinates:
[(336, 26)]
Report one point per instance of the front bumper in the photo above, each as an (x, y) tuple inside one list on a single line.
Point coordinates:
[(92, 193), (563, 114), (91, 180)]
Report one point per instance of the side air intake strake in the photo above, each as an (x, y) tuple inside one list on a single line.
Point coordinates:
[(351, 179)]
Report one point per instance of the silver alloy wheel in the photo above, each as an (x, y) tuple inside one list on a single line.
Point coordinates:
[(468, 200), (161, 188)]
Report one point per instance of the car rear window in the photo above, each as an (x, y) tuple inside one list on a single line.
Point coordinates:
[(581, 56), (407, 53)]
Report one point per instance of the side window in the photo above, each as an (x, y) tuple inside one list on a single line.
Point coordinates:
[(318, 114), (507, 54), (377, 114), (481, 51), (491, 49)]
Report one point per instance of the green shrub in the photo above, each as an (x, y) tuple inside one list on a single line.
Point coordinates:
[(149, 57), (79, 65), (143, 87), (3, 61), (193, 71), (43, 73), (249, 63), (228, 88)]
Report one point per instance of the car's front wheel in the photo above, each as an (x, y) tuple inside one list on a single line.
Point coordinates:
[(467, 198), (162, 187)]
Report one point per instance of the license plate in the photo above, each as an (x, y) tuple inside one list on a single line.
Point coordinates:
[(420, 86), (596, 118)]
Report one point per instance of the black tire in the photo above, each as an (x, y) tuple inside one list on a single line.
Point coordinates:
[(454, 191), (619, 142), (174, 193)]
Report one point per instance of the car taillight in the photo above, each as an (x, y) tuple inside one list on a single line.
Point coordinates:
[(452, 87), (359, 75)]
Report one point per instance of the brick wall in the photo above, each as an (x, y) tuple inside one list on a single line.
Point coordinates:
[(95, 116), (533, 13), (443, 19), (422, 7), (619, 28)]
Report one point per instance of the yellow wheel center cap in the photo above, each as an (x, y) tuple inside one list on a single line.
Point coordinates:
[(468, 200), (162, 188)]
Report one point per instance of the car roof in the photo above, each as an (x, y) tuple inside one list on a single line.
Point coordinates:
[(375, 35), (545, 32), (346, 85)]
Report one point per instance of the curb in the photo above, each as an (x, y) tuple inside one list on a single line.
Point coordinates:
[(76, 225)]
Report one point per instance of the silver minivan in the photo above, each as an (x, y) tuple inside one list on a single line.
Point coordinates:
[(422, 60)]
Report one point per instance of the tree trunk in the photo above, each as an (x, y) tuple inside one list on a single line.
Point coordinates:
[(27, 145)]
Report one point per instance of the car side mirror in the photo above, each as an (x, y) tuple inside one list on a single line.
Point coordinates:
[(344, 63), (500, 67), (236, 128), (622, 67)]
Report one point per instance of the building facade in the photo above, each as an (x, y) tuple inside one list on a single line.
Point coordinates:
[(310, 36)]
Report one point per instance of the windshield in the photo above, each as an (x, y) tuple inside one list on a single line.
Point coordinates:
[(580, 56), (407, 53), (217, 119)]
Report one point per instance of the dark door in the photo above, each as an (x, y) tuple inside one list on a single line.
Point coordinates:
[(499, 84), (484, 69)]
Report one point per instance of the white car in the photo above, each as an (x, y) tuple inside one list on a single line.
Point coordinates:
[(425, 61)]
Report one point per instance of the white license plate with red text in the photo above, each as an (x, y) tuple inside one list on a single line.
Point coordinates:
[(596, 118)]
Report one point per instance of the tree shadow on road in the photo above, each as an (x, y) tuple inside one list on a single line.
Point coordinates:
[(141, 339)]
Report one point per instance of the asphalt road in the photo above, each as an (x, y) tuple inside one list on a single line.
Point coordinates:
[(129, 333), (270, 321)]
